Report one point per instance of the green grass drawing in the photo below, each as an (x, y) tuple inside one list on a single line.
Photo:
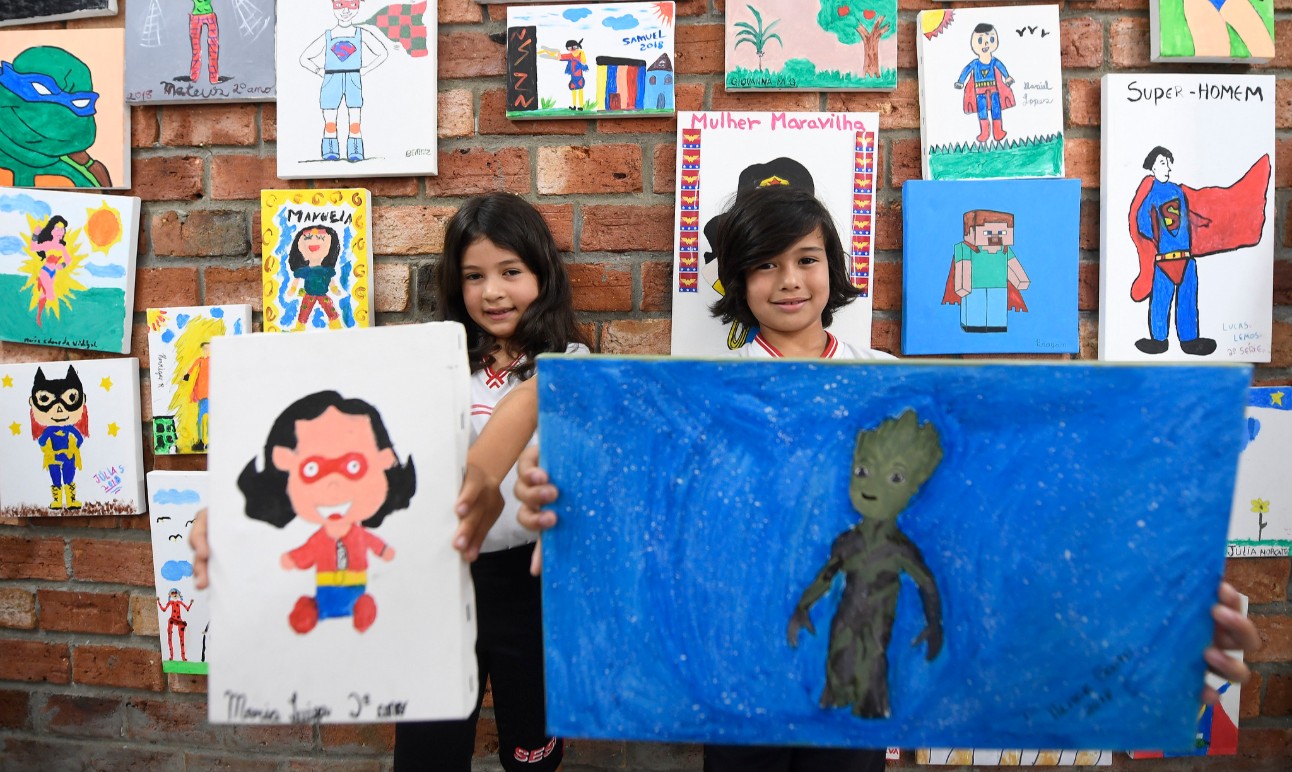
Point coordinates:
[(95, 320), (547, 103), (1028, 157), (179, 666), (802, 74), (1176, 39)]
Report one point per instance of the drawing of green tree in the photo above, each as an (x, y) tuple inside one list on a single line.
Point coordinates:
[(757, 37), (847, 20)]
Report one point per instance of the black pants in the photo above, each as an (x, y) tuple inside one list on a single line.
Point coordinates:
[(751, 758), (509, 647)]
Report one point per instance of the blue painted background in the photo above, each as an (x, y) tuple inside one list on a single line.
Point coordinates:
[(1046, 229), (1076, 527)]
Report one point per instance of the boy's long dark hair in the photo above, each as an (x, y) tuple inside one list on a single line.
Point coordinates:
[(266, 490), (295, 259), (513, 224), (763, 223)]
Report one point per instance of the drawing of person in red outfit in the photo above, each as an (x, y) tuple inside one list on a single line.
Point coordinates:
[(174, 604), (330, 461)]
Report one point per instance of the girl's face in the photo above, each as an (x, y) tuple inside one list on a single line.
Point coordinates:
[(315, 244), (336, 473), (497, 287), (57, 233), (788, 292)]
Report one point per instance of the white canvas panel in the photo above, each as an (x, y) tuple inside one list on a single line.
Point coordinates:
[(183, 614), (375, 622), (832, 152), (1204, 271), (1261, 522)]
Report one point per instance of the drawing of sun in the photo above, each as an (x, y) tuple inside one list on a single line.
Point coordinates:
[(51, 271), (934, 23), (665, 12), (103, 228)]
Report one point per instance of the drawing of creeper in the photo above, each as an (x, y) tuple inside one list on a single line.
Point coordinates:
[(165, 434)]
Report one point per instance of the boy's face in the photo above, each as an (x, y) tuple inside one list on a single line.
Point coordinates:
[(336, 473), (788, 292), (985, 43), (992, 236), (1161, 168), (345, 10)]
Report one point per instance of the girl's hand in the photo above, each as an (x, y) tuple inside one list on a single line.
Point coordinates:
[(534, 492), (287, 562), (201, 550), (388, 555), (1232, 631), (478, 506)]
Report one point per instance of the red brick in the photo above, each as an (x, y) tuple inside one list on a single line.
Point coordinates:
[(383, 187), (898, 109), (409, 230), (493, 119), (471, 55), (657, 285), (597, 169), (51, 754), (458, 12), (1083, 102), (907, 58), (468, 171), (601, 287), (1081, 43), (1281, 347), (886, 335), (1081, 160), (271, 737), (200, 233), (700, 49), (143, 611), (1283, 163), (692, 8), (233, 285), (636, 336), (80, 715), (907, 161), (1278, 696), (486, 739), (128, 668), (17, 608), (1276, 638), (686, 96), (161, 287), (772, 101), (1088, 287), (172, 720), (1107, 5), (664, 168), (1262, 580), (392, 282), (31, 558), (1273, 744), (612, 228), (110, 560), (358, 737), (1283, 102), (1128, 42), (222, 761), (26, 353), (85, 612), (143, 126), (34, 661), (1089, 238), (184, 125), (1088, 336), (886, 285), (169, 178), (1282, 283), (888, 226), (1249, 701), (455, 116), (238, 176), (13, 709), (269, 122), (181, 683)]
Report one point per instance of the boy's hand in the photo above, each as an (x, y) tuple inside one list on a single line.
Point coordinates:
[(201, 550), (478, 506), (534, 492), (1232, 631)]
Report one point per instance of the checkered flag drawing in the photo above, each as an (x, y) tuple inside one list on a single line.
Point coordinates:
[(402, 24)]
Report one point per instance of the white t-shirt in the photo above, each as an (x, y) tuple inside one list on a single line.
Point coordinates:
[(488, 387), (834, 349)]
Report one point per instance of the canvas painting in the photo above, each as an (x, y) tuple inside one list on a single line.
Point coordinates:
[(991, 99), (62, 93), (883, 553), (1186, 221), (990, 266), (179, 371), (721, 154), (180, 53), (317, 259), (17, 12), (830, 45), (1013, 758), (334, 585), (1238, 31), (72, 443), (183, 616), (1261, 523), (357, 84), (67, 268), (590, 61)]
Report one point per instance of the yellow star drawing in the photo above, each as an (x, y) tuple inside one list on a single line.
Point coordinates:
[(1275, 399), (106, 383), (113, 429), (7, 381), (16, 428)]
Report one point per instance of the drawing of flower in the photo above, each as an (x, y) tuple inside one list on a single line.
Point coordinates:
[(1260, 506)]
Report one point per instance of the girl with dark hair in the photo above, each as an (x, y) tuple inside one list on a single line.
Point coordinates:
[(50, 247), (501, 277), (312, 262), (329, 460)]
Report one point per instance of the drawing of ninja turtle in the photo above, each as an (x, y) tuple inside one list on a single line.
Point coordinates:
[(47, 122)]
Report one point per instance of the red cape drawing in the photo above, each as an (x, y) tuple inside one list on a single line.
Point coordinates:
[(1013, 298), (1002, 88), (1220, 220)]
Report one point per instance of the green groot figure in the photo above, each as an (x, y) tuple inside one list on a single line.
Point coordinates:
[(889, 465)]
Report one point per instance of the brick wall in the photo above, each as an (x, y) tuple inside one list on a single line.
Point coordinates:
[(80, 675)]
